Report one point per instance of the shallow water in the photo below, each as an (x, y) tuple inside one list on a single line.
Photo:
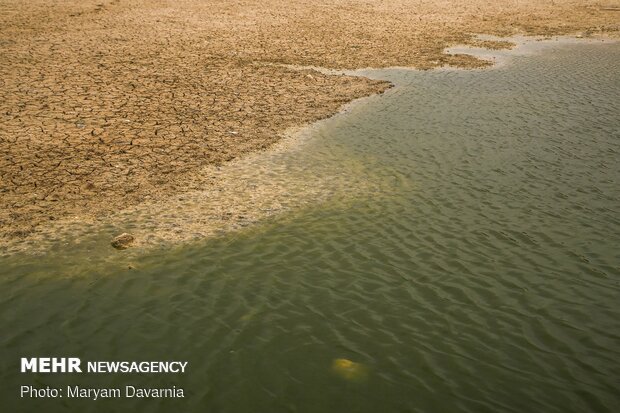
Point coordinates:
[(480, 271)]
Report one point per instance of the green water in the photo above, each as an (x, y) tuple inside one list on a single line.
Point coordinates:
[(481, 275)]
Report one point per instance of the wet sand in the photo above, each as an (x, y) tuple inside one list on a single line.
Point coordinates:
[(108, 105)]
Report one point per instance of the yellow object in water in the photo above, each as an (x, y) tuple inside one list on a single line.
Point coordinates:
[(349, 370)]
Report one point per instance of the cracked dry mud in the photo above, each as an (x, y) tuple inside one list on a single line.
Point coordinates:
[(105, 105)]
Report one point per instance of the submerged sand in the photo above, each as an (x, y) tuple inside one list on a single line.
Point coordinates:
[(107, 105)]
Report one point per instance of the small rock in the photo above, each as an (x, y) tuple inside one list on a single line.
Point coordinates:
[(122, 241)]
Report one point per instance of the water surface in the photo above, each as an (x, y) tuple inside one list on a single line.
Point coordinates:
[(480, 274)]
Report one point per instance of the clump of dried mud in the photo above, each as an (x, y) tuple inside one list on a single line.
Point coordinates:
[(105, 105)]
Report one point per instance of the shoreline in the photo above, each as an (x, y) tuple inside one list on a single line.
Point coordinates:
[(522, 45), (95, 175), (242, 192)]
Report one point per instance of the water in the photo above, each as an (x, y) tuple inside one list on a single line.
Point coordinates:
[(479, 272)]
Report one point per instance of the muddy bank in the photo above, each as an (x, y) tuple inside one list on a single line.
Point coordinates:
[(105, 105)]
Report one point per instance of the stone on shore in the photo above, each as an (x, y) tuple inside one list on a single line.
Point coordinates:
[(122, 241)]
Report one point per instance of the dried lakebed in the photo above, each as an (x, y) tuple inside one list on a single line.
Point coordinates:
[(96, 117)]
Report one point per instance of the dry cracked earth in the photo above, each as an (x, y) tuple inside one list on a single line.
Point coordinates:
[(108, 104)]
